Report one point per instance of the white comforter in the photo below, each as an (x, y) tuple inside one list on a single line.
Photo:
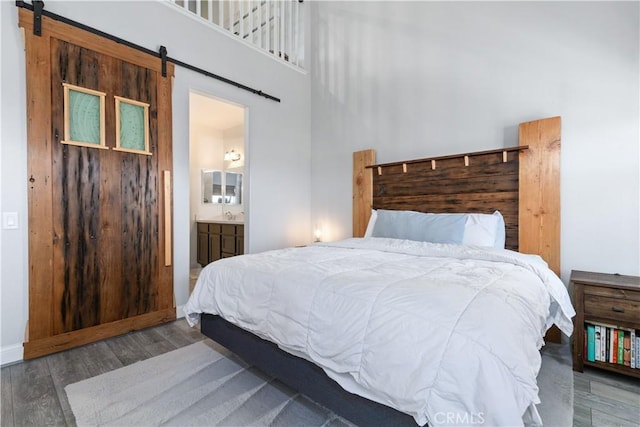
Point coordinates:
[(449, 334)]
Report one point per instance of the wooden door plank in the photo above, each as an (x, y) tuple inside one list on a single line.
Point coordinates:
[(64, 303), (39, 171), (111, 260), (139, 226), (140, 192), (41, 347), (76, 190), (165, 163)]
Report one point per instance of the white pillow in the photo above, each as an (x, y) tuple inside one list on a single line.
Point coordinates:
[(479, 229), (484, 230), (501, 232), (372, 223)]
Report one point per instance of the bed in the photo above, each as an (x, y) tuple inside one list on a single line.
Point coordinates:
[(390, 330)]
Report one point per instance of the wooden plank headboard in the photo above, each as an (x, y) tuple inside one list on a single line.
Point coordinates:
[(525, 188), (479, 182)]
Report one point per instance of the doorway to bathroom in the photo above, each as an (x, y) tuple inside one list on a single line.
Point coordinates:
[(217, 177)]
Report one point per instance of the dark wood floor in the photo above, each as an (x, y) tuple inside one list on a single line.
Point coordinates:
[(602, 398), (33, 391)]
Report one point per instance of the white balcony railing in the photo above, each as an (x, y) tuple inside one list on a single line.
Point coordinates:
[(271, 25)]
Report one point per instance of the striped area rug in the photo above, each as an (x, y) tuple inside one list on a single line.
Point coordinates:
[(191, 386), (205, 384)]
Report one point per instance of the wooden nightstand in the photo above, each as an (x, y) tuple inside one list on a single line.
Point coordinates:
[(604, 299)]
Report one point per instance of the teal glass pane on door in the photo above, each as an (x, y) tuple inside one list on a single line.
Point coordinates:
[(84, 117), (132, 126)]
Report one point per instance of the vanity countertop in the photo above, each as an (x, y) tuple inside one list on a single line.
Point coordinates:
[(221, 221)]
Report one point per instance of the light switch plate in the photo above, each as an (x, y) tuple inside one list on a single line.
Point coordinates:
[(10, 220)]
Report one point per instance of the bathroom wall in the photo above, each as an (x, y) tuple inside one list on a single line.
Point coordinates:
[(233, 139)]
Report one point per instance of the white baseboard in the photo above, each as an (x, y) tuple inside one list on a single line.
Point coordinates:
[(10, 354)]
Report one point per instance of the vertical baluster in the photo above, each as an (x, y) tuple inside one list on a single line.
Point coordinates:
[(210, 10), (276, 26), (296, 34), (282, 22), (249, 20), (221, 14), (241, 17), (301, 35), (251, 38), (199, 8), (289, 49), (268, 25), (231, 7), (259, 25)]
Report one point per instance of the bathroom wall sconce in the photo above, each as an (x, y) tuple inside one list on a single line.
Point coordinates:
[(232, 156)]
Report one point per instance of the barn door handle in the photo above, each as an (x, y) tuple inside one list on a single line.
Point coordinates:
[(617, 309), (167, 218)]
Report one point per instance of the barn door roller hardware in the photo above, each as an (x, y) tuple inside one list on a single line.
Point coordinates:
[(163, 57), (38, 12), (38, 6)]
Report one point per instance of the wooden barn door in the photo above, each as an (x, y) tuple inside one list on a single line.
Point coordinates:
[(100, 261)]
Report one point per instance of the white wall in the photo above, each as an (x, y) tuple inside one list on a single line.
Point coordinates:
[(278, 136), (13, 271), (416, 79)]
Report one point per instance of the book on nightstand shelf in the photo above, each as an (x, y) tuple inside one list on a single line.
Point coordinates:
[(591, 343), (612, 344)]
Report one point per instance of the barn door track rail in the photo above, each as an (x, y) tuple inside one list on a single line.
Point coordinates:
[(38, 12)]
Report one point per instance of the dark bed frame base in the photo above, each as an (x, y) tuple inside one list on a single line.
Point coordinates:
[(301, 375)]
